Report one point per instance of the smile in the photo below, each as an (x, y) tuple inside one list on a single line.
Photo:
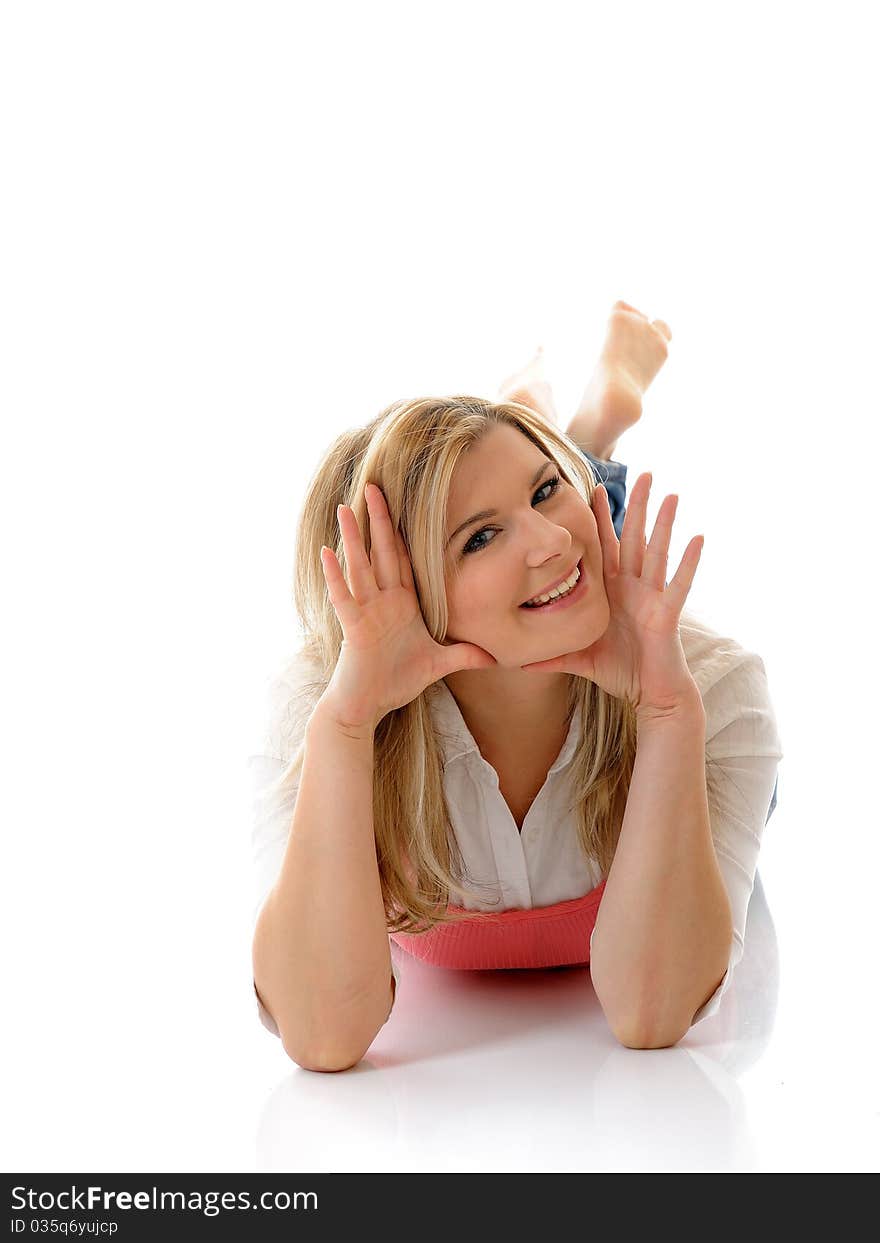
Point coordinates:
[(564, 601)]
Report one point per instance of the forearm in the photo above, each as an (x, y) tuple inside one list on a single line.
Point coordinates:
[(664, 929), (321, 958)]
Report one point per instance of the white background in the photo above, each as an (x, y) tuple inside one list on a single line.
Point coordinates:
[(232, 230)]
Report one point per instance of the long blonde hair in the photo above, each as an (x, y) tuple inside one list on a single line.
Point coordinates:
[(410, 450)]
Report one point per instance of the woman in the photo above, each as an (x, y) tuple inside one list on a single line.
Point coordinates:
[(463, 771)]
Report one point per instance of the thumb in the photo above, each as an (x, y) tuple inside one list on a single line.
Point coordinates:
[(556, 664), (467, 656), (578, 663)]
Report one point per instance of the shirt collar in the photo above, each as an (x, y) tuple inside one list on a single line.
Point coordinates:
[(456, 739)]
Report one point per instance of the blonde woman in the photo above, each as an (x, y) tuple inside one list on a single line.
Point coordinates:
[(468, 763)]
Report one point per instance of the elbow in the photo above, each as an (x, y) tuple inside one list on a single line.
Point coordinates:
[(643, 1032), (322, 1061), (659, 1021), (326, 1057), (339, 1051), (642, 1038)]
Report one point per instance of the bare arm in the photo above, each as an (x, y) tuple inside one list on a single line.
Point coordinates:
[(664, 930), (321, 957)]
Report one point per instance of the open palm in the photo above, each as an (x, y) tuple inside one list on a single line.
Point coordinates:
[(639, 657), (387, 656)]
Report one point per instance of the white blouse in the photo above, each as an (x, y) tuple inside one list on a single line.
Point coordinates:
[(544, 863)]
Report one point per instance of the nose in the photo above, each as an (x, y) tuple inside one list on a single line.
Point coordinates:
[(549, 540)]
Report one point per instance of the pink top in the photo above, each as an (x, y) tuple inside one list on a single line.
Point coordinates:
[(545, 936)]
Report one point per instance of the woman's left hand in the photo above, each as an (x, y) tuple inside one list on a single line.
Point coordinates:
[(639, 657)]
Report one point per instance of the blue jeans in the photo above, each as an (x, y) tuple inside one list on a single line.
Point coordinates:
[(612, 475)]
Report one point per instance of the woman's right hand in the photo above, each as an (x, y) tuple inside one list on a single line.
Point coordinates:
[(387, 656)]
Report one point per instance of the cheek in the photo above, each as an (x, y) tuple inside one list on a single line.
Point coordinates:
[(458, 596), (474, 598), (590, 527)]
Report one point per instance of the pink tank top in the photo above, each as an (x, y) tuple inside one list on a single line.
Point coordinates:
[(545, 936)]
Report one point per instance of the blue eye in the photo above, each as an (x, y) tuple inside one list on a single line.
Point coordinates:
[(469, 547)]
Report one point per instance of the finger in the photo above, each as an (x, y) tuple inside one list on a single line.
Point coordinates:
[(362, 582), (632, 539), (383, 546), (553, 665), (577, 663), (657, 552), (457, 656), (340, 597), (678, 589), (607, 533)]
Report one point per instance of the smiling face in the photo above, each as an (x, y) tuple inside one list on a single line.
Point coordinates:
[(540, 531)]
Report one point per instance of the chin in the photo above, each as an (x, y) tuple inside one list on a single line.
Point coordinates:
[(575, 638)]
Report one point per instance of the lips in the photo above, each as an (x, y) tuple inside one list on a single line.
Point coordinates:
[(562, 579)]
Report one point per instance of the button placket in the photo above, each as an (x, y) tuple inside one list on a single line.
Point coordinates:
[(504, 836), (540, 798)]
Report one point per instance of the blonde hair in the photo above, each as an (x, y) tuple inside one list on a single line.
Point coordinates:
[(410, 450)]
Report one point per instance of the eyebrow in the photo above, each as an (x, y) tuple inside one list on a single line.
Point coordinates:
[(490, 513)]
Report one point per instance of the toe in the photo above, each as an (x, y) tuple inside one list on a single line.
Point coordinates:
[(625, 306), (663, 328), (532, 373)]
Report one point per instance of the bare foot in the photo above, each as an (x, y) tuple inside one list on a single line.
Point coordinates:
[(635, 349), (531, 388)]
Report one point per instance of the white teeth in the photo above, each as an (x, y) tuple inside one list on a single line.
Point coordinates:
[(562, 590)]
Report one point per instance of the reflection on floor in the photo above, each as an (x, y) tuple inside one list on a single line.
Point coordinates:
[(509, 1071)]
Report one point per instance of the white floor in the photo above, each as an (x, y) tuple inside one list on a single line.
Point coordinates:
[(517, 1071), (136, 1047)]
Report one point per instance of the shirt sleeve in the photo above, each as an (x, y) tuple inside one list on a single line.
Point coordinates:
[(743, 750), (283, 729)]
